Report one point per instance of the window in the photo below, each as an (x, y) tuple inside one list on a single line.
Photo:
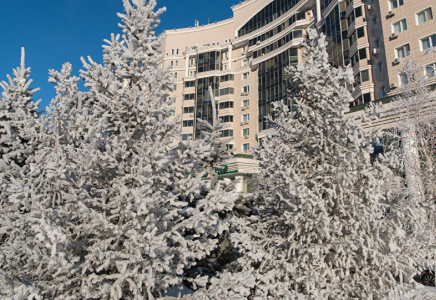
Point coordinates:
[(186, 136), (399, 26), (225, 78), (189, 97), (428, 42), (172, 113), (246, 103), (245, 75), (189, 83), (177, 63), (376, 43), (172, 63), (245, 62), (360, 32), (172, 51), (226, 119), (246, 118), (226, 133), (366, 98), (224, 67), (227, 104), (395, 3), (358, 12), (430, 70), (373, 22), (246, 132), (229, 146), (364, 75), (246, 89), (177, 51), (403, 79), (226, 55), (424, 16), (188, 123), (381, 92), (191, 73), (175, 75), (246, 147), (402, 51), (188, 110), (226, 91), (379, 67), (362, 53)]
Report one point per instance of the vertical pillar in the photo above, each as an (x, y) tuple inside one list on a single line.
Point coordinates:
[(240, 185), (318, 11), (230, 56), (187, 66)]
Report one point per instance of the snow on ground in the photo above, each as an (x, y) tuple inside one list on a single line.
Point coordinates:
[(420, 293)]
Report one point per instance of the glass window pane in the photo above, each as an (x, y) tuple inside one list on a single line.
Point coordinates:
[(421, 17), (426, 43), (430, 71), (404, 24), (397, 27), (433, 40), (365, 76), (401, 53)]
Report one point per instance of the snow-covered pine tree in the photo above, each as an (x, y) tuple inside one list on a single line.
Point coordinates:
[(411, 150), (323, 209), (18, 114), (112, 209)]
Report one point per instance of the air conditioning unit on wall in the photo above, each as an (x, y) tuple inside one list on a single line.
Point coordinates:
[(394, 85), (394, 35), (391, 13)]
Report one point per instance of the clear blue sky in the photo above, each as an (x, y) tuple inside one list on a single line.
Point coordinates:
[(57, 31)]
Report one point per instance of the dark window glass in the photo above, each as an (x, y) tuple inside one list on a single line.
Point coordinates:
[(268, 14), (362, 53), (225, 78), (188, 110), (301, 16), (226, 91), (204, 104), (360, 32), (366, 97), (297, 33), (333, 32), (226, 133), (209, 61), (227, 104), (271, 84), (188, 123), (365, 76), (186, 136), (189, 97), (226, 119), (358, 12), (190, 83)]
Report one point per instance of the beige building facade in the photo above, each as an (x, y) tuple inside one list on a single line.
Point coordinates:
[(243, 58)]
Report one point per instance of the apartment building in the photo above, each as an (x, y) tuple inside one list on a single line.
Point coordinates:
[(407, 27), (243, 58), (375, 36)]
